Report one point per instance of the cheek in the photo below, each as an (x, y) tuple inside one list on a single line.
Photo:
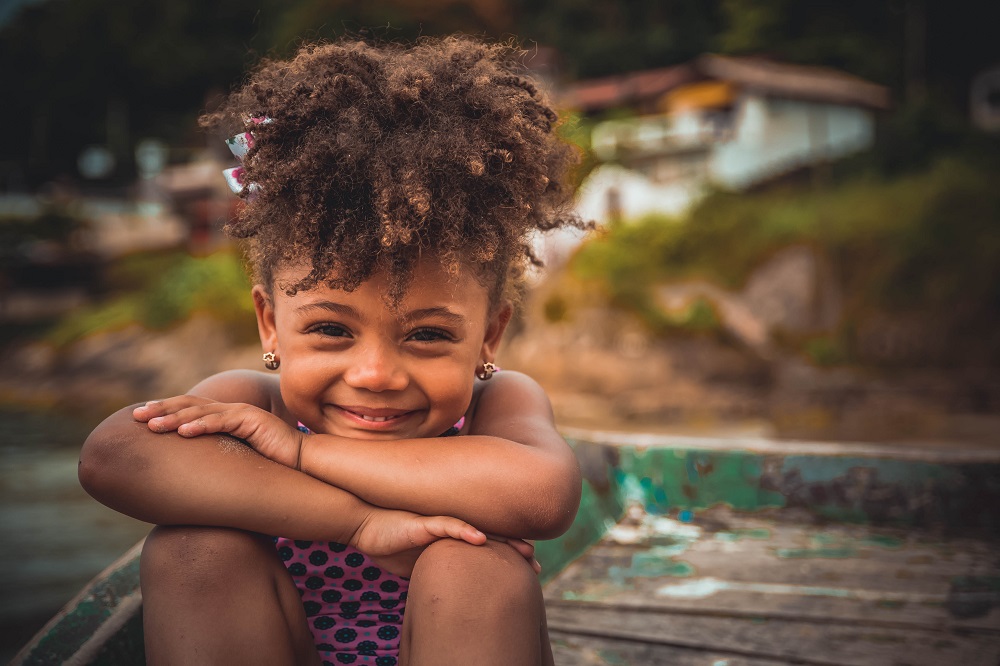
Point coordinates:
[(302, 381), (452, 389)]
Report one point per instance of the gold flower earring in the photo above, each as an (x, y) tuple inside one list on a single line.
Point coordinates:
[(271, 361), (487, 371)]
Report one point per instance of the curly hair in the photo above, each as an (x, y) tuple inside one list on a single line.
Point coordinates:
[(378, 154)]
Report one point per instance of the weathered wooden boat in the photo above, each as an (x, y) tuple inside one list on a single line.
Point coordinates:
[(722, 552)]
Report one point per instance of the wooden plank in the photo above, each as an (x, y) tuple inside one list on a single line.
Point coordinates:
[(577, 650), (817, 644), (742, 588), (743, 565), (821, 612)]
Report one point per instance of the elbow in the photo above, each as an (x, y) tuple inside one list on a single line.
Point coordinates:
[(91, 466), (104, 457), (553, 524), (94, 467), (555, 516), (562, 514)]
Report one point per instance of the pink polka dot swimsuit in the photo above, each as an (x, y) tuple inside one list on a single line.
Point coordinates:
[(353, 607)]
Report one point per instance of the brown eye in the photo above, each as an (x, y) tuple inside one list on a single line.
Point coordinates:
[(331, 330), (428, 335)]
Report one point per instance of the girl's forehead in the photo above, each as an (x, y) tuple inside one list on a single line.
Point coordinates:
[(432, 285)]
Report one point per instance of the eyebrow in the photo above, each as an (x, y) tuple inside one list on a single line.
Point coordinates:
[(440, 313), (329, 306)]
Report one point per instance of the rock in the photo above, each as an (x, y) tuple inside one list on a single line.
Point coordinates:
[(733, 312), (794, 292)]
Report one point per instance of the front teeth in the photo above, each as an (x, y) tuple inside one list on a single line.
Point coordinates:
[(376, 419)]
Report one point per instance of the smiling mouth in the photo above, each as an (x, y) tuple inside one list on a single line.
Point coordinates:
[(376, 415), (376, 419)]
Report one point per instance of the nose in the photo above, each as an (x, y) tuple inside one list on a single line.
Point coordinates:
[(376, 367)]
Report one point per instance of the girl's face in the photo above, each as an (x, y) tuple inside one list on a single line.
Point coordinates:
[(351, 366)]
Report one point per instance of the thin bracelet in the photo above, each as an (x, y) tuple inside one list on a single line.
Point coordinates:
[(298, 459)]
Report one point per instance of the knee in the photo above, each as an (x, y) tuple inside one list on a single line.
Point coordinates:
[(198, 558), (491, 578)]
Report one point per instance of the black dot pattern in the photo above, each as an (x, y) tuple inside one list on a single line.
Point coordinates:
[(355, 609)]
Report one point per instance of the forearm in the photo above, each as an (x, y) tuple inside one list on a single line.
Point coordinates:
[(498, 485), (210, 480)]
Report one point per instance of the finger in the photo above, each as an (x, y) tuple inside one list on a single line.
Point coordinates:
[(202, 426), (147, 411), (160, 407), (155, 408), (239, 420), (444, 526), (524, 548), (235, 421), (175, 420)]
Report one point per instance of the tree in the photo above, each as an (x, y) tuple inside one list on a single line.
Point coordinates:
[(81, 72)]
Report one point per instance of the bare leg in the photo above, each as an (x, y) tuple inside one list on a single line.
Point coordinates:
[(546, 644), (220, 596), (474, 605)]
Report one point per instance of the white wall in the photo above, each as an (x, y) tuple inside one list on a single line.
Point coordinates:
[(637, 194), (772, 136), (768, 137)]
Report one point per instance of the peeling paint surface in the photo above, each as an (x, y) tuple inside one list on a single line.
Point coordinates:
[(771, 557), (760, 555), (109, 600), (903, 493), (755, 590), (706, 587)]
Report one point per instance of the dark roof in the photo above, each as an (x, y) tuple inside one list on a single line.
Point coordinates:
[(778, 79), (626, 89)]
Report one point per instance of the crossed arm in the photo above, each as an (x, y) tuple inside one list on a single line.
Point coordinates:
[(512, 475)]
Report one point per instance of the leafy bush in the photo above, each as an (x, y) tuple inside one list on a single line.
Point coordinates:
[(216, 284), (163, 290), (925, 242)]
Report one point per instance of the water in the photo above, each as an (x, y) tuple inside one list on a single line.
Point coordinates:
[(55, 537)]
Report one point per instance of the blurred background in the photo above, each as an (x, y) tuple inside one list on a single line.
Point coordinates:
[(798, 210)]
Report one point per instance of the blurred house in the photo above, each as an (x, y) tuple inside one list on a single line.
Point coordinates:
[(721, 121), (198, 193)]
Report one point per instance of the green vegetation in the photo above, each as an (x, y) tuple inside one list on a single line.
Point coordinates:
[(159, 290), (922, 242), (576, 129), (555, 309), (826, 350)]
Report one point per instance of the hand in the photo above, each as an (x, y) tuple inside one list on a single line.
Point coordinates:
[(524, 548), (395, 539), (191, 416)]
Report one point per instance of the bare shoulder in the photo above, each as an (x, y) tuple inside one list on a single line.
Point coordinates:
[(511, 383), (511, 397), (249, 386)]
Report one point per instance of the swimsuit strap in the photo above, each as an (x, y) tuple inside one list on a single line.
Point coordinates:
[(455, 429)]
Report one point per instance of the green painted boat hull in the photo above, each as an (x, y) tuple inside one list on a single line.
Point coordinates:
[(947, 492)]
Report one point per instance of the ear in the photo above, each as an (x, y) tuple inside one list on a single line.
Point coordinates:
[(264, 307), (495, 328)]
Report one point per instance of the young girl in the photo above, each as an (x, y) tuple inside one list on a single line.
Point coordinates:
[(390, 193)]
